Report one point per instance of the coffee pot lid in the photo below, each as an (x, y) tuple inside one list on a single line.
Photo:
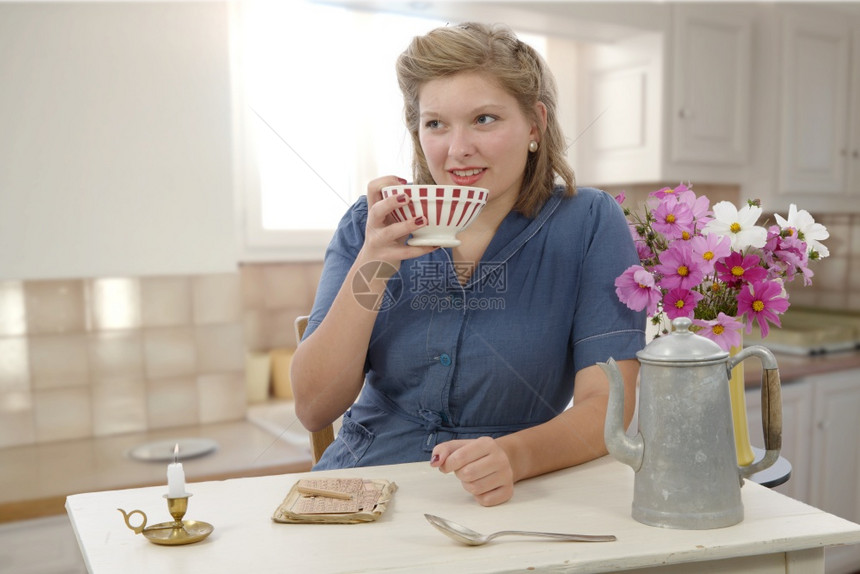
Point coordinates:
[(681, 345)]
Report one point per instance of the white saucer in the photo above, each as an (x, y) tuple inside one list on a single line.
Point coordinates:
[(162, 451)]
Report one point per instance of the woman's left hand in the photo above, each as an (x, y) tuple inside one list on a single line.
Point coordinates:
[(482, 466)]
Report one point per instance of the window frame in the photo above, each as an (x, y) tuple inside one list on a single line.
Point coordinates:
[(256, 243)]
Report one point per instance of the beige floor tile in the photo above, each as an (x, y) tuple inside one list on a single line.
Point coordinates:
[(114, 303), (58, 361), (172, 402), (55, 306), (165, 301), (831, 274), (217, 298), (251, 278), (222, 397), (220, 348), (256, 330), (854, 243), (13, 314), (116, 355), (286, 285), (854, 274), (169, 352), (839, 227), (313, 272), (804, 297), (16, 418), (119, 407), (62, 414), (14, 364)]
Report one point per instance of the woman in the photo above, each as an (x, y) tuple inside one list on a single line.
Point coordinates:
[(470, 355)]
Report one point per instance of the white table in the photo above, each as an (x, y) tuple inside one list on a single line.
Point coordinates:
[(778, 534)]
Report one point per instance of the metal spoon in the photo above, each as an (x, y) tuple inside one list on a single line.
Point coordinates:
[(472, 538)]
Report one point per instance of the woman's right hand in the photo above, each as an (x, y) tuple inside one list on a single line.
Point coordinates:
[(385, 238)]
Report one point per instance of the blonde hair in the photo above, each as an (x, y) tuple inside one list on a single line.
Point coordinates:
[(518, 69)]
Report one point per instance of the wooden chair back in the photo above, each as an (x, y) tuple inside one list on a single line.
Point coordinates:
[(322, 438)]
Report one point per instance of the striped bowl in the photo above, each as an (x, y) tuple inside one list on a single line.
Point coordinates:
[(449, 209)]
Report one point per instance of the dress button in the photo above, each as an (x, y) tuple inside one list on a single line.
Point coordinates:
[(445, 359)]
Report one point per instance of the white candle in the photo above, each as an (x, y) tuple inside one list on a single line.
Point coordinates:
[(175, 477)]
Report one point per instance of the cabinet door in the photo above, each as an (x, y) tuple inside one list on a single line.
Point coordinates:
[(712, 84), (835, 485), (620, 107), (836, 445), (815, 104), (796, 434), (854, 136)]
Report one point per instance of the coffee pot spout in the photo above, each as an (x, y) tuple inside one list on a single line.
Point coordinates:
[(626, 449)]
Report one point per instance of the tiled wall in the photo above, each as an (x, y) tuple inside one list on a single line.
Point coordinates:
[(104, 356), (836, 284)]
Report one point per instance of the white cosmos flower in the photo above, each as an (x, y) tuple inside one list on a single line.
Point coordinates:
[(807, 229), (738, 225)]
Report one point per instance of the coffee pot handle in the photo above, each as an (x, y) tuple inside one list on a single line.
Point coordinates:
[(771, 406)]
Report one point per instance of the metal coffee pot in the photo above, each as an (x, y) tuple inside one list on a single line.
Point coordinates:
[(684, 455)]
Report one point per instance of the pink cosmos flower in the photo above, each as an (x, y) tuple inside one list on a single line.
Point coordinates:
[(669, 191), (680, 302), (762, 302), (700, 207), (673, 218), (679, 267), (737, 268), (642, 250), (637, 289), (785, 254), (715, 262), (725, 331), (709, 249)]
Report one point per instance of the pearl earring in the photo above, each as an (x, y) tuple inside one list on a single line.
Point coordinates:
[(533, 146)]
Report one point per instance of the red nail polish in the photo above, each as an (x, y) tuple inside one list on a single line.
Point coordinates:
[(401, 198), (435, 458), (401, 180), (420, 221)]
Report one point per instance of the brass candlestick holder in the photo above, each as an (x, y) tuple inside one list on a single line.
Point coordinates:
[(171, 533)]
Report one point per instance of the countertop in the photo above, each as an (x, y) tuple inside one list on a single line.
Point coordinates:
[(36, 479), (777, 534), (795, 367)]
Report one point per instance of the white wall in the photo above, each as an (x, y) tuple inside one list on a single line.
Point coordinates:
[(115, 139)]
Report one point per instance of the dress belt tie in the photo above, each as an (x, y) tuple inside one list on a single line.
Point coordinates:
[(432, 420)]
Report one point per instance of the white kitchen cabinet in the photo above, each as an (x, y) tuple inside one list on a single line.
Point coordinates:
[(853, 188), (835, 479), (819, 160), (116, 155), (796, 435), (821, 439), (815, 103), (672, 105), (710, 110)]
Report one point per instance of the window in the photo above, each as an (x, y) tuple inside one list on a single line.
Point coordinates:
[(322, 115)]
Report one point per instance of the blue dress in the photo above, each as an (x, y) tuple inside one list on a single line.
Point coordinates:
[(496, 355)]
